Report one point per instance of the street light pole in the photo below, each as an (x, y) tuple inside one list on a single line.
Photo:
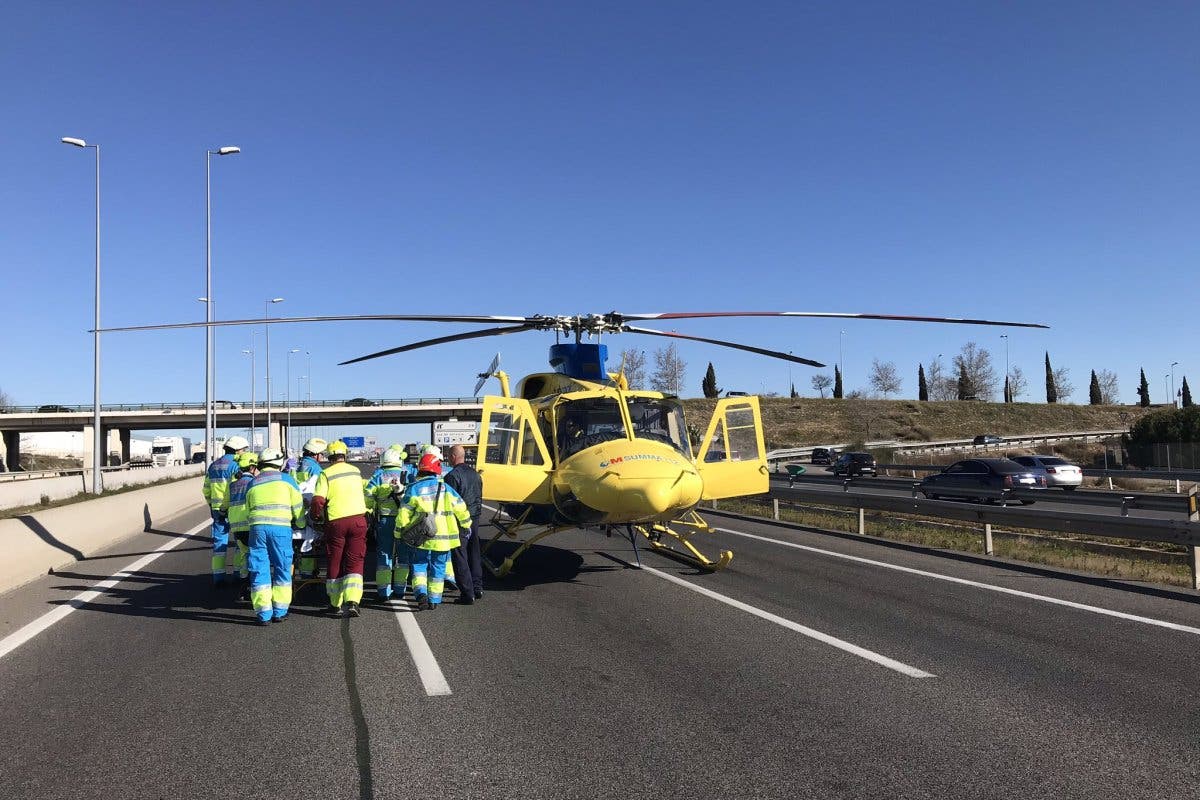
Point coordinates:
[(1173, 365), (253, 380), (97, 445), (267, 329), (1165, 378), (288, 389), (209, 369), (308, 374)]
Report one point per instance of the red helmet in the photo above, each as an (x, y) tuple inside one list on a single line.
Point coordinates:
[(430, 463)]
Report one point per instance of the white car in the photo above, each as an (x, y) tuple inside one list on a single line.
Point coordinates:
[(1059, 472)]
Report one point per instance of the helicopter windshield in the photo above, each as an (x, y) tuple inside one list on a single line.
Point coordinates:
[(660, 420), (586, 423)]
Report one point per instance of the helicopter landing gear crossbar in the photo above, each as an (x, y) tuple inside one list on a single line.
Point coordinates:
[(510, 528), (660, 537)]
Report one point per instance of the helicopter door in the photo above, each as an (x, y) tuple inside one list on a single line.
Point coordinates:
[(732, 460), (513, 459)]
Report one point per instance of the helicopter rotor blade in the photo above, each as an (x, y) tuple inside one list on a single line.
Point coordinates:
[(457, 337), (475, 319), (748, 348), (487, 373), (825, 314)]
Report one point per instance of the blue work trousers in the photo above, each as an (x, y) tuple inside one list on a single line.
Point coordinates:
[(220, 544), (393, 560), (270, 567), (429, 573)]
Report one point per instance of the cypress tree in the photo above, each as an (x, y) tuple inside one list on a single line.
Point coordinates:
[(923, 386), (1094, 396), (837, 381), (1144, 391), (794, 393), (1008, 398), (964, 382), (709, 384), (1187, 394), (1051, 389)]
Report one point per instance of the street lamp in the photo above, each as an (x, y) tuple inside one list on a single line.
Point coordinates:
[(97, 447), (1173, 365), (209, 369), (300, 394), (253, 380), (308, 375), (288, 396), (1167, 377), (267, 328)]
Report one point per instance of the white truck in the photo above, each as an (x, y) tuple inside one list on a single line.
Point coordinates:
[(169, 451)]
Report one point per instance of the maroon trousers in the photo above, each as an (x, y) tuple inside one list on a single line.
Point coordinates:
[(346, 545)]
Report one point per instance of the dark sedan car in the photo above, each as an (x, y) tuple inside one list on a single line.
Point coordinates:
[(359, 401), (981, 479), (850, 464), (822, 455)]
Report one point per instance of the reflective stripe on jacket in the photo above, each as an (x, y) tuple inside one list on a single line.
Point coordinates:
[(274, 499), (451, 514), (308, 469), (220, 474), (378, 491), (239, 517), (342, 489)]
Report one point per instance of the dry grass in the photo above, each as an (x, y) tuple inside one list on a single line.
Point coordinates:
[(810, 421), (1061, 551)]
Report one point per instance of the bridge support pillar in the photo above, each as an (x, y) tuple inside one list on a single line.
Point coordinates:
[(119, 444), (12, 450), (275, 435), (89, 436)]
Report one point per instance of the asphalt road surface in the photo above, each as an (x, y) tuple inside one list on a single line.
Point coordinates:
[(815, 666)]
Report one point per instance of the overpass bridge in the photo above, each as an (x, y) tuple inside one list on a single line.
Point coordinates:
[(117, 422)]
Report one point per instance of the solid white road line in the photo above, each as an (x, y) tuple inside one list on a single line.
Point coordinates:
[(803, 630), (977, 584), (27, 632), (427, 665)]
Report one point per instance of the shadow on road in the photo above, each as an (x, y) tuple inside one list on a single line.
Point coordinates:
[(49, 538)]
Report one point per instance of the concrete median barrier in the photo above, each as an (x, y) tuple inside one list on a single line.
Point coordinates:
[(57, 537), (19, 493)]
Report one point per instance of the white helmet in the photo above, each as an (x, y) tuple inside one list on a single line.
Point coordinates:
[(270, 457), (434, 450), (237, 443), (392, 458), (315, 445)]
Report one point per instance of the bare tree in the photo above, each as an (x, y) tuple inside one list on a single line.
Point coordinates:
[(1017, 384), (1110, 390), (821, 382), (635, 367), (5, 400), (669, 370), (1062, 383), (978, 365), (941, 385), (884, 377)]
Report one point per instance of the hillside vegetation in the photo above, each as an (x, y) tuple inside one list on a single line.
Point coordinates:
[(810, 421)]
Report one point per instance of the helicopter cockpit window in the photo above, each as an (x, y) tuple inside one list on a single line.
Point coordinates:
[(743, 436), (660, 420), (586, 423), (511, 442)]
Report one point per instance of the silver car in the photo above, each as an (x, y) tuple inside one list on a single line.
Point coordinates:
[(1058, 471)]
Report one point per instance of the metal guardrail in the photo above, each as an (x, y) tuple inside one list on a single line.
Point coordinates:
[(1142, 501), (225, 405), (793, 453), (1181, 531), (38, 474)]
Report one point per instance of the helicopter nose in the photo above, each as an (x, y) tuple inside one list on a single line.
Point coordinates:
[(626, 495)]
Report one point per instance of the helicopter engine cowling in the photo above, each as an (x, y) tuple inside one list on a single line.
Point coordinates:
[(619, 481)]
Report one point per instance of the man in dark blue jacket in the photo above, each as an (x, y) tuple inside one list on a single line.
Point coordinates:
[(468, 566)]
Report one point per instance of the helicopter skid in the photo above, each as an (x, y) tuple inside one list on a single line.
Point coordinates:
[(691, 523), (510, 528)]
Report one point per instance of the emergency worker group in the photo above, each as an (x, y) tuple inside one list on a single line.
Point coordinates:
[(271, 517)]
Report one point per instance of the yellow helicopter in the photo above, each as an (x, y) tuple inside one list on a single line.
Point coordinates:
[(577, 447)]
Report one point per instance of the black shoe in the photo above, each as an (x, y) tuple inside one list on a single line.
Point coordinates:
[(351, 609), (465, 600), (263, 622), (279, 619), (337, 612), (479, 594), (423, 603)]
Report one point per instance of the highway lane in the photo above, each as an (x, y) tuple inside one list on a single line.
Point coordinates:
[(1049, 500), (581, 677)]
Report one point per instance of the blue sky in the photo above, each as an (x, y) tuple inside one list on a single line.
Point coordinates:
[(1025, 161)]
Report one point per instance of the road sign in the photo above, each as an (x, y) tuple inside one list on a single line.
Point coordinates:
[(446, 434), (371, 442), (353, 441)]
